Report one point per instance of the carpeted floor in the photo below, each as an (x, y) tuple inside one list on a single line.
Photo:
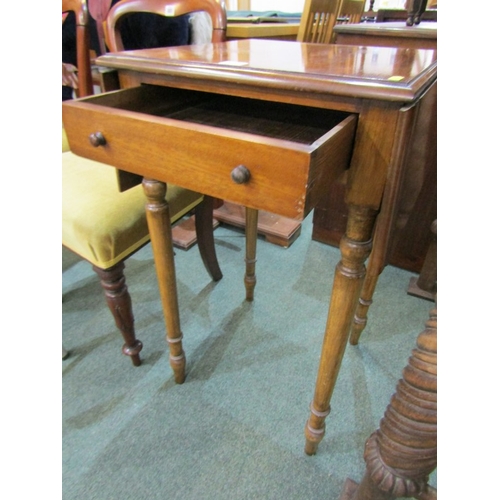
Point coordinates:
[(235, 429)]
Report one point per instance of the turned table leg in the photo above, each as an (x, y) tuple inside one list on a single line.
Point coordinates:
[(120, 305), (160, 229), (251, 216), (402, 453), (355, 247)]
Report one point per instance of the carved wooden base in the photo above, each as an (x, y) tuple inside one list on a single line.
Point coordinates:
[(401, 454), (277, 230)]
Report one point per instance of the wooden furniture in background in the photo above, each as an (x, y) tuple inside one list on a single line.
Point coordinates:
[(425, 286), (388, 34), (351, 11), (79, 7), (402, 453), (395, 15), (307, 86), (104, 226), (318, 19), (272, 31), (402, 234), (416, 9)]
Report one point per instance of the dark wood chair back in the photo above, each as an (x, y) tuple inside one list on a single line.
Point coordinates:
[(167, 8), (79, 7)]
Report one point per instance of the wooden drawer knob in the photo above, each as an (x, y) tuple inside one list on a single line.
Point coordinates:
[(240, 174), (97, 139)]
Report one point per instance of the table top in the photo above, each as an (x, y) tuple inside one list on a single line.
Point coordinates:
[(386, 73), (396, 29)]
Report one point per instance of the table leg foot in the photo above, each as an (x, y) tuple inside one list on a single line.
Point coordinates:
[(313, 438), (250, 280), (178, 365)]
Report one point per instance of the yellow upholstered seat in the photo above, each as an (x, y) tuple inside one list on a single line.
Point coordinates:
[(101, 224)]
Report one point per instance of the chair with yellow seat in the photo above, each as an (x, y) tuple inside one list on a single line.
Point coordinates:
[(105, 226)]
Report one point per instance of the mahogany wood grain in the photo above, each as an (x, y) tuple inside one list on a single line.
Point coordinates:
[(327, 77)]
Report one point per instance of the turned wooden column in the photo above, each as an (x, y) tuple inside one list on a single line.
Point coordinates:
[(354, 247), (120, 305), (160, 229), (402, 453)]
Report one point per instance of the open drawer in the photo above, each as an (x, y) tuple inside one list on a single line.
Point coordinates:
[(271, 156)]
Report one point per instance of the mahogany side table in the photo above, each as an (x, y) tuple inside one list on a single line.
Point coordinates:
[(332, 107)]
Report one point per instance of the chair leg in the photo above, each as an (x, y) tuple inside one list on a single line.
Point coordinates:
[(120, 305), (205, 236)]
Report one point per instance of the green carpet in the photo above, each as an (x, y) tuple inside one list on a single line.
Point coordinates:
[(235, 428)]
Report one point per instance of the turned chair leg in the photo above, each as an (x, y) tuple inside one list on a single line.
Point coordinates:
[(205, 236), (120, 305), (402, 453)]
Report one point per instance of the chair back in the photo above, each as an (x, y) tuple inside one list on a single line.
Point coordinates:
[(351, 11), (99, 9), (168, 8), (317, 21), (79, 7)]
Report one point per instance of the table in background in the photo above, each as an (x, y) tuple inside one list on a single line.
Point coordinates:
[(274, 31), (380, 88)]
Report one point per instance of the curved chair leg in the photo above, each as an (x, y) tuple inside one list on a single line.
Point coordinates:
[(205, 236), (120, 305)]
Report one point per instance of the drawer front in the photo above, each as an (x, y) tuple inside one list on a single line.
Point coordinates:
[(284, 177)]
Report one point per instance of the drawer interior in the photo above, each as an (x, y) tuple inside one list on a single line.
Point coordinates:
[(300, 124)]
